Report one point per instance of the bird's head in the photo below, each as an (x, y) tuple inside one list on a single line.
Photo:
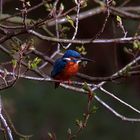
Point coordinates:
[(74, 56)]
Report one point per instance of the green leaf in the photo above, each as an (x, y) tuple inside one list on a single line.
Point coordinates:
[(136, 44), (126, 71), (70, 20), (84, 3), (127, 50), (93, 109), (86, 87), (33, 64), (65, 28), (49, 7), (119, 19), (14, 63), (63, 31), (62, 7), (81, 49), (79, 123)]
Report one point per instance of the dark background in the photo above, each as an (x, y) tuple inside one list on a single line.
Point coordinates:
[(37, 108)]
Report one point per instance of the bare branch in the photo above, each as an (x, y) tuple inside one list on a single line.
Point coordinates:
[(76, 24), (85, 41), (120, 71), (116, 113), (118, 99), (4, 122)]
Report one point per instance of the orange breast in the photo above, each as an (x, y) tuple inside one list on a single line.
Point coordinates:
[(70, 70)]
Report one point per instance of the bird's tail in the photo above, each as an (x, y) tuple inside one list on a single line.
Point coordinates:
[(57, 84)]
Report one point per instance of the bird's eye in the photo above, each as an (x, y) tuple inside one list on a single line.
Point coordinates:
[(74, 58)]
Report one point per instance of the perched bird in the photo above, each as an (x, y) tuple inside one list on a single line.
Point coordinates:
[(67, 66)]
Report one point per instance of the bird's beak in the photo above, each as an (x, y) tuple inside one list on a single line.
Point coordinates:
[(86, 59)]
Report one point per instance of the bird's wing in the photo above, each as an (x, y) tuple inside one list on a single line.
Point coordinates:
[(59, 65)]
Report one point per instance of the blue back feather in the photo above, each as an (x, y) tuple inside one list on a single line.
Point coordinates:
[(59, 65)]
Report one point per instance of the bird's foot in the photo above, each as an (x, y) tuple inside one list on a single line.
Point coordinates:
[(69, 82)]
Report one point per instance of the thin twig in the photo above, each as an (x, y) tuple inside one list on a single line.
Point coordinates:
[(76, 24), (4, 122), (115, 112), (84, 41), (118, 72), (118, 99)]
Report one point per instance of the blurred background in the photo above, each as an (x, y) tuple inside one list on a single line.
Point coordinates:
[(37, 108)]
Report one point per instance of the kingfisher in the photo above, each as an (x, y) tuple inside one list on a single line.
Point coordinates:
[(67, 66)]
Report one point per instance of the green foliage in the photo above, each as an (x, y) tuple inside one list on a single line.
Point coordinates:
[(128, 50), (119, 19), (31, 44), (136, 44), (61, 7), (48, 7), (113, 2), (79, 123), (81, 50), (94, 109), (14, 63), (70, 20), (84, 3), (86, 87), (63, 30), (34, 63), (15, 45), (125, 72)]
